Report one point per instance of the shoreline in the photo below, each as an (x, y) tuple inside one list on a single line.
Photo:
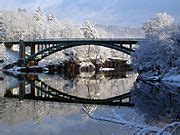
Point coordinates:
[(152, 77)]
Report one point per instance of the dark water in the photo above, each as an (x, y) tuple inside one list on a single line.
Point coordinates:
[(56, 104), (159, 103)]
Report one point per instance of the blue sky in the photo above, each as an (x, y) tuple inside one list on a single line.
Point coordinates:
[(114, 12)]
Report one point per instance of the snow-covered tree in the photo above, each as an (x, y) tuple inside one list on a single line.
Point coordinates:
[(157, 51), (67, 30), (89, 31), (71, 54), (154, 25), (176, 37), (17, 24), (2, 28), (51, 26), (39, 26), (21, 23)]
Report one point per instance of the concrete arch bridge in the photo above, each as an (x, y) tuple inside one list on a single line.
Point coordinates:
[(41, 48)]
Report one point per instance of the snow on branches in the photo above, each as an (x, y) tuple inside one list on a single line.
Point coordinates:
[(89, 30), (157, 52), (154, 25)]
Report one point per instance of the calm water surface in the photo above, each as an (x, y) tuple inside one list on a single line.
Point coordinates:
[(27, 107)]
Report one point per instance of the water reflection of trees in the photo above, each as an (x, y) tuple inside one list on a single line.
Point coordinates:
[(158, 103), (12, 111), (93, 86), (155, 107)]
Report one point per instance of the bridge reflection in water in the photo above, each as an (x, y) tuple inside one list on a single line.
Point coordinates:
[(32, 88)]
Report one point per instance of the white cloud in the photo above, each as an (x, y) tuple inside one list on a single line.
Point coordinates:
[(43, 3), (30, 4)]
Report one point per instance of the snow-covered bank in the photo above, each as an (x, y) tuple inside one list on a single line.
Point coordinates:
[(172, 78), (106, 69), (149, 76), (172, 75), (157, 58)]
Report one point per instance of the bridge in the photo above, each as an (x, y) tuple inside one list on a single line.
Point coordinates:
[(41, 48), (38, 90)]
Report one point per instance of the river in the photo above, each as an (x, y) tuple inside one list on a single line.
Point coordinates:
[(43, 104)]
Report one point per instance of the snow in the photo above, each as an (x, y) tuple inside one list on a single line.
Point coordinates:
[(10, 83), (89, 30), (177, 36), (14, 70), (86, 64), (10, 56), (140, 128), (153, 78), (106, 69), (174, 78), (150, 75), (158, 56), (39, 25), (168, 79)]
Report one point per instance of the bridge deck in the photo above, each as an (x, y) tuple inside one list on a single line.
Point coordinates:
[(62, 40)]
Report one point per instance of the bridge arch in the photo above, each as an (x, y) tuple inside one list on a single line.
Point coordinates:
[(40, 55), (39, 90)]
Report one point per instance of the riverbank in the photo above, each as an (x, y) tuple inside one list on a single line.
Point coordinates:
[(172, 77), (75, 67)]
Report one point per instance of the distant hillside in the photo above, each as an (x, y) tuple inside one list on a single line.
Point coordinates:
[(117, 31)]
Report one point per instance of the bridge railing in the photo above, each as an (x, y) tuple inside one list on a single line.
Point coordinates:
[(75, 39)]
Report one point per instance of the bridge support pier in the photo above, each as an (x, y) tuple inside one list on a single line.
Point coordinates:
[(32, 49), (21, 89), (33, 94), (130, 46), (33, 62), (21, 53)]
